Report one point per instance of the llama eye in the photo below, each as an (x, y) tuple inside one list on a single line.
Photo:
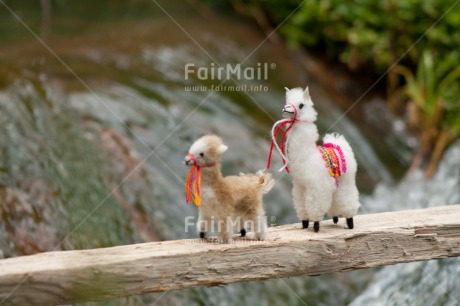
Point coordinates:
[(301, 105), (201, 154)]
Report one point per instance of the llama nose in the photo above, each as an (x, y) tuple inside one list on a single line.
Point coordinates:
[(288, 109), (190, 160)]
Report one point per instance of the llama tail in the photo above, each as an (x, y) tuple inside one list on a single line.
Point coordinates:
[(265, 182), (339, 140)]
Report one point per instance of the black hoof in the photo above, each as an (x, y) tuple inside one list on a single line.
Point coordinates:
[(316, 226), (304, 223), (335, 219), (202, 235), (243, 232), (350, 223)]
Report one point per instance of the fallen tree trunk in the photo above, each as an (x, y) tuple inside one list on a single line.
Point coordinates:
[(100, 274)]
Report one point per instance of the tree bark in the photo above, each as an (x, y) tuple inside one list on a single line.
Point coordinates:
[(109, 273)]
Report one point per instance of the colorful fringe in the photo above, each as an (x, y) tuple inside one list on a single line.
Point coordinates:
[(192, 186), (334, 159)]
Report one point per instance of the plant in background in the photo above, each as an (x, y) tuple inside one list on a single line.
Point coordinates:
[(375, 35), (433, 109)]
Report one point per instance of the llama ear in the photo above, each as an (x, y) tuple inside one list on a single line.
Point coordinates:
[(222, 148), (306, 92), (287, 89)]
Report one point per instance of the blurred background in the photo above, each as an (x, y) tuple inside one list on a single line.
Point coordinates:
[(97, 115)]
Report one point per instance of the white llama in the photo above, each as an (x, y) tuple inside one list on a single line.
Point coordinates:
[(323, 177)]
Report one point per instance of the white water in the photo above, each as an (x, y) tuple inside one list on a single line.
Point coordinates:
[(435, 282)]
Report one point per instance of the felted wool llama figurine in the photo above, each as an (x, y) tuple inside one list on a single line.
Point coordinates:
[(224, 201), (323, 177)]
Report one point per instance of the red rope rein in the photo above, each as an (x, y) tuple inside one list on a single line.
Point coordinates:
[(284, 139)]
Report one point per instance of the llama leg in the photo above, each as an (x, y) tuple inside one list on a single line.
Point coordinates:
[(298, 196), (318, 202), (334, 211), (316, 226), (346, 200), (203, 225), (350, 223), (223, 230), (243, 219), (242, 225), (260, 223)]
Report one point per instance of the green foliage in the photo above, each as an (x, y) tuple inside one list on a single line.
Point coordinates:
[(436, 96), (378, 32)]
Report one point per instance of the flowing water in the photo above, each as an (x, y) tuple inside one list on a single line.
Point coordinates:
[(97, 116), (435, 282)]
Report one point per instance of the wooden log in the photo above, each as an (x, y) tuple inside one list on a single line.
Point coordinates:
[(109, 273)]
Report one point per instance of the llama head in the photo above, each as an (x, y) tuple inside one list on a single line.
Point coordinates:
[(205, 151), (299, 105)]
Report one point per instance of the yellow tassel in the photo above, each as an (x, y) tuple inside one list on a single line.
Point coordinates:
[(192, 186)]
